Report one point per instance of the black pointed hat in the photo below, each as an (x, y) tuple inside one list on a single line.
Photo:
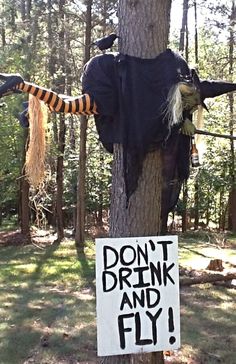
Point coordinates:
[(212, 88), (215, 88)]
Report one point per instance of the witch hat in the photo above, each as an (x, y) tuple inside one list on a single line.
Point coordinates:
[(211, 88), (215, 88)]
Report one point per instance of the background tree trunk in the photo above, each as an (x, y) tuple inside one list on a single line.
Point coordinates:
[(143, 31), (80, 207), (183, 48), (24, 209), (196, 203), (232, 194), (184, 27), (184, 211), (62, 127)]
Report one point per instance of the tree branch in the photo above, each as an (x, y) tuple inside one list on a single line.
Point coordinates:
[(217, 135), (207, 278)]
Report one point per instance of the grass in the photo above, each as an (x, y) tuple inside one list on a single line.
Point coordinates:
[(208, 314), (47, 306)]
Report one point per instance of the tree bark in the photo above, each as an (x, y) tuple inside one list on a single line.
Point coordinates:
[(207, 278), (196, 32), (62, 128), (142, 216), (24, 184), (184, 211), (183, 48), (59, 179), (184, 28), (80, 208), (196, 202), (232, 195), (143, 31), (24, 206)]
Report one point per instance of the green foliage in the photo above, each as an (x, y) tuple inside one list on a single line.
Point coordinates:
[(11, 138), (98, 174), (31, 44)]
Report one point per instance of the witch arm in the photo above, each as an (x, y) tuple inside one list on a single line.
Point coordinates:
[(83, 104)]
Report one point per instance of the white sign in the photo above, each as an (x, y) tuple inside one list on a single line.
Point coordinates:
[(137, 285)]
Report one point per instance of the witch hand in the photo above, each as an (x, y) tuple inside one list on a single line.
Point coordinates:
[(188, 128)]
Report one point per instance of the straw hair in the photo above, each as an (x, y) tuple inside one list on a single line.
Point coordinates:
[(35, 156), (199, 123), (174, 109), (183, 97)]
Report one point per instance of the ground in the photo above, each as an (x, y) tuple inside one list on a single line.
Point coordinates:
[(47, 302)]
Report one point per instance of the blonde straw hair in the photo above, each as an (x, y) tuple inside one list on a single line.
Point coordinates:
[(35, 155)]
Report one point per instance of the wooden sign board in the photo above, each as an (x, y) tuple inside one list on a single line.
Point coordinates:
[(137, 287)]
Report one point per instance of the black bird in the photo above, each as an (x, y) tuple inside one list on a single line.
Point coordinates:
[(106, 42)]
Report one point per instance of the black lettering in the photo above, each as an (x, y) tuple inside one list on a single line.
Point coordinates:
[(164, 248), (138, 299), (138, 340), (152, 245), (171, 320), (124, 273), (154, 325), (156, 274), (122, 329), (122, 255), (125, 300), (141, 283), (166, 273), (105, 253), (157, 297), (142, 253), (104, 281)]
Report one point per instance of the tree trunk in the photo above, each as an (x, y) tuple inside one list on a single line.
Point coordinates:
[(184, 28), (221, 208), (207, 278), (184, 211), (142, 216), (196, 203), (24, 209), (59, 178), (143, 31), (208, 207), (196, 33), (231, 213), (62, 127), (101, 188), (232, 195), (80, 208), (183, 48)]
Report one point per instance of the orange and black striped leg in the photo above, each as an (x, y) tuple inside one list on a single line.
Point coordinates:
[(83, 104)]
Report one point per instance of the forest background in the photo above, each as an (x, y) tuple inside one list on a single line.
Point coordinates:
[(48, 42)]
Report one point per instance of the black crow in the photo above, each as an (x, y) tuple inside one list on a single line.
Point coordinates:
[(105, 42)]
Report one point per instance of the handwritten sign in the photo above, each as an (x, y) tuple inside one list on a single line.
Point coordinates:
[(137, 286)]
